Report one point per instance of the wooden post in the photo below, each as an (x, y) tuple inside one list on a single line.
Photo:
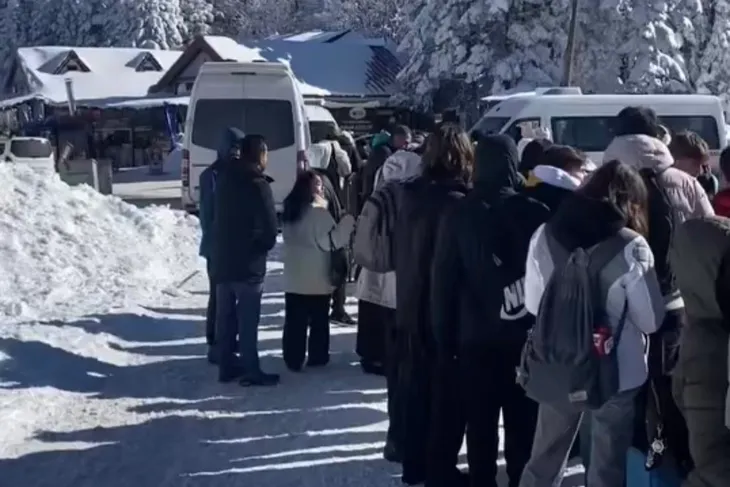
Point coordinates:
[(570, 47)]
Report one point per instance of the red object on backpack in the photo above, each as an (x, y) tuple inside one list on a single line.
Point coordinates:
[(603, 341), (721, 203)]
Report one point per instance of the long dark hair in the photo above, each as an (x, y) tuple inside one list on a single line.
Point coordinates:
[(253, 147), (623, 186), (300, 197), (449, 154)]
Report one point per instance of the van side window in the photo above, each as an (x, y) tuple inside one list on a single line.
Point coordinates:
[(514, 130), (593, 134), (589, 134), (273, 119), (705, 127)]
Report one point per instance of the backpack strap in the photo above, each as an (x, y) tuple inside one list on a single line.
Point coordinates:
[(603, 253)]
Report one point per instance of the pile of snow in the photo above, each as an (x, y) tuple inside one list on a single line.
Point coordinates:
[(70, 251)]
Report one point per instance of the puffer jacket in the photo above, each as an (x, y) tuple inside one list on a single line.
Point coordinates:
[(688, 198), (701, 259), (375, 287), (629, 278)]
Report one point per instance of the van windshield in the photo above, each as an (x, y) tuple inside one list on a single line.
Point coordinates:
[(593, 134), (273, 119), (320, 130), (31, 148), (490, 125)]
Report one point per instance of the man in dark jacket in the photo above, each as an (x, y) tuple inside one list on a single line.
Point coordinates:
[(399, 139), (245, 229), (423, 202), (230, 149)]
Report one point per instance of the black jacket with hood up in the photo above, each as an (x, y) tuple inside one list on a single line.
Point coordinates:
[(477, 296), (423, 203), (245, 224)]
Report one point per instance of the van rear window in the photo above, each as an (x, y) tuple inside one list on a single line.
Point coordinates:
[(31, 148), (593, 134), (273, 119)]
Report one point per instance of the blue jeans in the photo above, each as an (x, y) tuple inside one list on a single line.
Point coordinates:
[(238, 312)]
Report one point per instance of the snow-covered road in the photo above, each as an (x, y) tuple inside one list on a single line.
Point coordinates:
[(128, 399)]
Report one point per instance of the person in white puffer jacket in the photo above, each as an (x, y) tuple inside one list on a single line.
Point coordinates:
[(376, 302)]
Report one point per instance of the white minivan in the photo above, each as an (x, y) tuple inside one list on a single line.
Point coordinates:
[(257, 98), (33, 152), (586, 122)]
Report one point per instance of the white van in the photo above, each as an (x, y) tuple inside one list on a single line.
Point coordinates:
[(257, 98), (34, 152), (320, 121), (586, 122)]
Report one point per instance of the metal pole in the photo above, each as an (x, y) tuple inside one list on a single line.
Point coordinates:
[(570, 47)]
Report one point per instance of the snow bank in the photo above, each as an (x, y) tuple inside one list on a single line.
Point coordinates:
[(70, 251)]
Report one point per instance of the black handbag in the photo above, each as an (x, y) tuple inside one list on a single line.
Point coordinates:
[(339, 264)]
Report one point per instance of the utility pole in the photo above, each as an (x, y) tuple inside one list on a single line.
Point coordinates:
[(570, 47)]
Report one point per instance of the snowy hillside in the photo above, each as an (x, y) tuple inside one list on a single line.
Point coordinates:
[(72, 251)]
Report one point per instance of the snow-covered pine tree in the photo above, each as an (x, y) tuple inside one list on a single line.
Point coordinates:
[(714, 63), (156, 23), (197, 15), (534, 46), (666, 42), (416, 87)]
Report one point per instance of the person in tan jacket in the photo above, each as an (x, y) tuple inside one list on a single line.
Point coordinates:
[(310, 236)]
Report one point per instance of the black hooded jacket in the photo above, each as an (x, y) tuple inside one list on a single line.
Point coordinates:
[(477, 296), (245, 224), (423, 203)]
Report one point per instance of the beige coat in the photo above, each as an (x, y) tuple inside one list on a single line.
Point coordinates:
[(307, 247)]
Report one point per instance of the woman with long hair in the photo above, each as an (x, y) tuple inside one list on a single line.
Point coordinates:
[(311, 236), (612, 203), (447, 168)]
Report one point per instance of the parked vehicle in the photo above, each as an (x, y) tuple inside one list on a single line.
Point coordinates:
[(256, 97), (35, 152), (586, 121)]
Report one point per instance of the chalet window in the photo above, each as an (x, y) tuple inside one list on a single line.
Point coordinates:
[(148, 63)]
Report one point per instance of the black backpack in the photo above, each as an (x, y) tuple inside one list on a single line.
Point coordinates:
[(570, 360)]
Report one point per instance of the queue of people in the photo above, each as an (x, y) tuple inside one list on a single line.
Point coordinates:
[(585, 304)]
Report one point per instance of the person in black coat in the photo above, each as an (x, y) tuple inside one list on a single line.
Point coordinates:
[(477, 298), (245, 229), (447, 167), (399, 139)]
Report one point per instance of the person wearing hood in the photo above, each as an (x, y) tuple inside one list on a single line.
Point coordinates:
[(228, 152), (423, 202), (701, 261), (612, 199), (532, 155), (674, 197), (376, 330), (478, 314), (244, 231)]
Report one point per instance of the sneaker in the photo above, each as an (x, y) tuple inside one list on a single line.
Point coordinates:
[(260, 380), (343, 318)]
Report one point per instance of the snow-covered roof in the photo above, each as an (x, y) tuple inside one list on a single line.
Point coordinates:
[(324, 69), (108, 74), (347, 36)]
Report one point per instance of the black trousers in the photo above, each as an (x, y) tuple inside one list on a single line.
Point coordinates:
[(339, 296), (210, 312), (372, 322), (395, 420), (431, 414), (306, 315), (488, 387)]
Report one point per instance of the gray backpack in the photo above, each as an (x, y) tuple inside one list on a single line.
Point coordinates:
[(569, 360), (373, 243)]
